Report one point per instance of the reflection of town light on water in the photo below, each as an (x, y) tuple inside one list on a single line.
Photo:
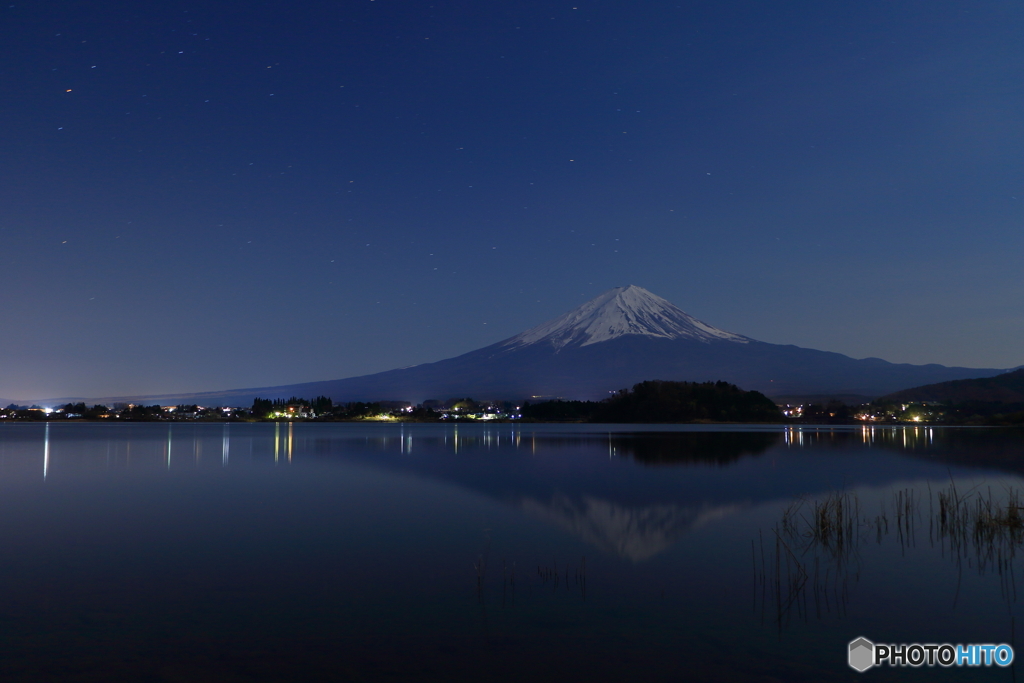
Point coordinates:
[(46, 450), (224, 446)]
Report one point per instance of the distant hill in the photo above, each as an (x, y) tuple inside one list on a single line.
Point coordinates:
[(1005, 388), (660, 401)]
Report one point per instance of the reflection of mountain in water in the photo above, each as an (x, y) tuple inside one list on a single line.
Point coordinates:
[(638, 533), (692, 448), (635, 494), (640, 530)]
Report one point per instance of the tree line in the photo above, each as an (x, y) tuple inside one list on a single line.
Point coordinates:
[(664, 401)]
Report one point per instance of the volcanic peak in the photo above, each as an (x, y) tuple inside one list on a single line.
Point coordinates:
[(618, 312)]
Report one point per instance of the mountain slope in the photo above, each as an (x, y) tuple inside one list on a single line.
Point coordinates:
[(1005, 388)]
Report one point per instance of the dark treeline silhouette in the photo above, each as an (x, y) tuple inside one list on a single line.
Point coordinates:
[(658, 401), (85, 411), (986, 412), (686, 448), (661, 401)]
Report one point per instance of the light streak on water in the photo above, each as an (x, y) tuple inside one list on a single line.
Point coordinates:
[(277, 441), (46, 451), (225, 447)]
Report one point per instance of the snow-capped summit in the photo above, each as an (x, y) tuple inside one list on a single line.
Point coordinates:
[(622, 311)]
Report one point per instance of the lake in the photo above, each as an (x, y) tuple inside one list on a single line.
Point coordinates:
[(502, 552)]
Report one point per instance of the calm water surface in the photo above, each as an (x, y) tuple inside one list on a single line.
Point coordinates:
[(268, 552)]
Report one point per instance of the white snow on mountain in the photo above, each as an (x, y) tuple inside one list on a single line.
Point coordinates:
[(638, 533), (618, 312)]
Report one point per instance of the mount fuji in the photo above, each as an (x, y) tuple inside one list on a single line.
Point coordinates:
[(624, 336)]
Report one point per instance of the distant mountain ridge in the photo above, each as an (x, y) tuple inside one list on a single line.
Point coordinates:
[(1005, 388), (624, 336)]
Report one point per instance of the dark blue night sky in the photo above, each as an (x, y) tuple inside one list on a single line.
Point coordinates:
[(201, 196)]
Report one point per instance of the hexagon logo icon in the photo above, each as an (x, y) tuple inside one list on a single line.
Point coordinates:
[(862, 654)]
